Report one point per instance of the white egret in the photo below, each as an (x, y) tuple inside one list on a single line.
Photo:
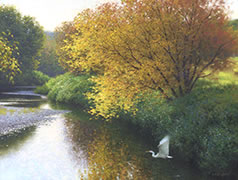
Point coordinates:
[(163, 149)]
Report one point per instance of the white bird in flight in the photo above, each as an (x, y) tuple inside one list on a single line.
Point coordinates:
[(163, 149)]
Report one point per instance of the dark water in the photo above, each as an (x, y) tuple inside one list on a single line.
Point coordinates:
[(75, 146)]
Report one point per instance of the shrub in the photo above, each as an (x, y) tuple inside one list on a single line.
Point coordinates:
[(40, 78), (70, 89), (219, 155), (42, 89)]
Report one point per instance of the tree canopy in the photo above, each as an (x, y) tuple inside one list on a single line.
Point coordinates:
[(141, 46), (26, 32)]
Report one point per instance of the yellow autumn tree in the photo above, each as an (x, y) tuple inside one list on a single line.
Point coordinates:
[(62, 35), (8, 63), (141, 46)]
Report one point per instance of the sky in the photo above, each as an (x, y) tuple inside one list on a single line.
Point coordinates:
[(51, 13)]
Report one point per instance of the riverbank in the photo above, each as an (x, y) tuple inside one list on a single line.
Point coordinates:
[(203, 124), (15, 118)]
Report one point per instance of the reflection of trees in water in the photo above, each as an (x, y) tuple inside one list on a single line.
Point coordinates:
[(80, 133), (111, 151), (111, 159), (14, 141), (3, 111), (108, 152)]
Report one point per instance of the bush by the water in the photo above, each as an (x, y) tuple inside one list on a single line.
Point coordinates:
[(203, 125), (42, 89), (40, 78), (70, 89)]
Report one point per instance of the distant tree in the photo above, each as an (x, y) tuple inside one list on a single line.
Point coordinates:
[(50, 34), (148, 45), (49, 60), (27, 32)]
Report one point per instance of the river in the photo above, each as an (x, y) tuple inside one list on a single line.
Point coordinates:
[(71, 145)]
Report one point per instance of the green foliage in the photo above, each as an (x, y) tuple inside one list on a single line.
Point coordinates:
[(220, 153), (42, 89), (70, 89), (203, 125), (26, 32), (40, 78)]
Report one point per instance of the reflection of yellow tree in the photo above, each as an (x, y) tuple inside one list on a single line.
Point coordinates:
[(3, 111), (109, 159)]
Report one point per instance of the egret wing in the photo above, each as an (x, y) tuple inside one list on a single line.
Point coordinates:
[(164, 146)]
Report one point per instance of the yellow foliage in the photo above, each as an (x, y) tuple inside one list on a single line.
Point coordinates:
[(8, 62), (147, 45)]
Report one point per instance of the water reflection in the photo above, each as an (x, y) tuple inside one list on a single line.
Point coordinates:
[(110, 159), (111, 152), (14, 141), (115, 151), (3, 111)]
